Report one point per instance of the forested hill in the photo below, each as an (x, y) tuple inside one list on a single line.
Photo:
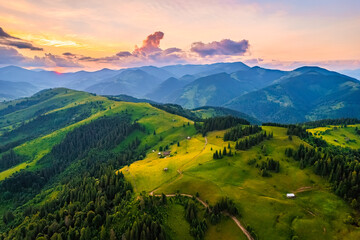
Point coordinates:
[(58, 153), (74, 165)]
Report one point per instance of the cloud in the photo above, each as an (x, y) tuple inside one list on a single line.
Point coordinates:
[(20, 45), (123, 54), (3, 34), (253, 61), (8, 40), (69, 54), (224, 47), (50, 60), (149, 52), (172, 50), (10, 56), (150, 44)]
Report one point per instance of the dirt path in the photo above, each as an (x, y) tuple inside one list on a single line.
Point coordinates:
[(303, 189), (179, 171), (248, 235), (237, 222)]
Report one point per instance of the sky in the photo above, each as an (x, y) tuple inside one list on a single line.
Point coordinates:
[(64, 35)]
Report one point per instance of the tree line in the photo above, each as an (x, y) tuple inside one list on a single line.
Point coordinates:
[(10, 159), (252, 140), (268, 165), (219, 123), (326, 122), (102, 133), (357, 130), (219, 155), (318, 123), (93, 200), (240, 131), (46, 123), (341, 166)]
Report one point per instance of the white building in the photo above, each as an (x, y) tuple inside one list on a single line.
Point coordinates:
[(290, 195)]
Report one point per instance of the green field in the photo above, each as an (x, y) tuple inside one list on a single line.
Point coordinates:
[(151, 117), (178, 227), (316, 213), (339, 135)]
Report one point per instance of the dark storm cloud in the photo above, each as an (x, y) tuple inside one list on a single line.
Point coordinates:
[(172, 50), (3, 34), (123, 54), (20, 45), (224, 47), (69, 54), (8, 40)]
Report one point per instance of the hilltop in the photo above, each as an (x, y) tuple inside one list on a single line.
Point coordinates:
[(307, 93), (73, 163)]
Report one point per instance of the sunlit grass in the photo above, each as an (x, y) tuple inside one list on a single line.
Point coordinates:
[(261, 200), (339, 136)]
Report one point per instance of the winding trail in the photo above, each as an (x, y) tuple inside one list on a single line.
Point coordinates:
[(180, 172), (237, 222), (243, 229)]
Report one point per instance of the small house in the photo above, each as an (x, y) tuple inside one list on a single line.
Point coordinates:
[(165, 169), (290, 195), (166, 153), (188, 138)]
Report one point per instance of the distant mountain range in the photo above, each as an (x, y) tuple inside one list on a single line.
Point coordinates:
[(13, 90), (304, 94)]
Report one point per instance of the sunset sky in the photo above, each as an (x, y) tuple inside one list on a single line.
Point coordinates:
[(75, 35)]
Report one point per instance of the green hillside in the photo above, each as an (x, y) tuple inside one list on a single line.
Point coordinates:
[(213, 90), (78, 166), (344, 136), (262, 201), (306, 94), (14, 90)]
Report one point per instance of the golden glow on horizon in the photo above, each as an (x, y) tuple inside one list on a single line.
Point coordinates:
[(277, 32)]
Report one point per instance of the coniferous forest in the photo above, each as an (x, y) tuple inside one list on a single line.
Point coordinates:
[(179, 120), (85, 186)]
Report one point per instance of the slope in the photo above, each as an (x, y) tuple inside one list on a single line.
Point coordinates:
[(261, 200), (305, 94), (136, 83), (213, 90), (13, 90)]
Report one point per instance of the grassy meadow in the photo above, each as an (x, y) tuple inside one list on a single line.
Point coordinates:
[(316, 213), (339, 135)]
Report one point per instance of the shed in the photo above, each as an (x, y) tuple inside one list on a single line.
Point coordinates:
[(165, 169), (290, 195), (166, 153), (188, 138)]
